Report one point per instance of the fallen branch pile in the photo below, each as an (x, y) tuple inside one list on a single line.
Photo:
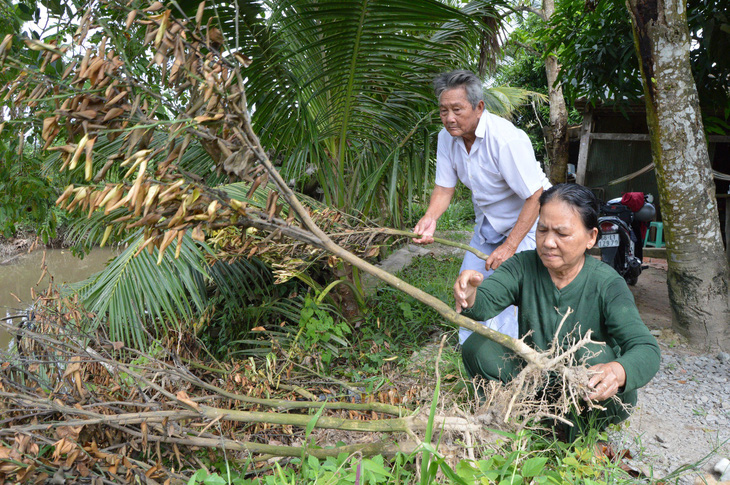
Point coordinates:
[(81, 408)]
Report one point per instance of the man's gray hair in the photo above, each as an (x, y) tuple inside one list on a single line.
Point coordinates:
[(460, 79)]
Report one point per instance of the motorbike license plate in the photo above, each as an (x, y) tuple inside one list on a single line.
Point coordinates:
[(608, 241)]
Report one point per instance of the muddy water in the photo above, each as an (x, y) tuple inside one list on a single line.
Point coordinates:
[(22, 274)]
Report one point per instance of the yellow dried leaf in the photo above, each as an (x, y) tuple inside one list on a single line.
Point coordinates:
[(65, 195), (183, 397), (6, 43), (88, 166), (36, 45), (77, 153), (178, 247), (204, 118), (107, 233)]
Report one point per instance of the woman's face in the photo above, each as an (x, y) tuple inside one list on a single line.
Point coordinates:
[(561, 237)]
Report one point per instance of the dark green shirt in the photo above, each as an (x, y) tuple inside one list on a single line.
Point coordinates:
[(600, 300)]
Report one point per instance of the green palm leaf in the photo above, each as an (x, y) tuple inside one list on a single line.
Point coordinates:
[(503, 100), (133, 291), (350, 81)]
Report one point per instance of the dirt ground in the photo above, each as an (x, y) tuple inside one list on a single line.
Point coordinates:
[(651, 295)]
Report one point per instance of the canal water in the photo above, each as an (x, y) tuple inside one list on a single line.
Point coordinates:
[(23, 273)]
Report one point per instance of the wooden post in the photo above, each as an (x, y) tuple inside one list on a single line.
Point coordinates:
[(585, 143)]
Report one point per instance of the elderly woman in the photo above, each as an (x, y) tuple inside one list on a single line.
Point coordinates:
[(547, 281)]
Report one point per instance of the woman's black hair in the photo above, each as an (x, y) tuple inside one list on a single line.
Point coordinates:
[(578, 197)]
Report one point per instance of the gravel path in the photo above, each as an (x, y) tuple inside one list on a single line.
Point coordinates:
[(683, 414)]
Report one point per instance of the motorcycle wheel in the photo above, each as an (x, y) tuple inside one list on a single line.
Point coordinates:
[(632, 280)]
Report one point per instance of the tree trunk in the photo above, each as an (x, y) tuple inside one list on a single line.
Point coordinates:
[(698, 275), (557, 139)]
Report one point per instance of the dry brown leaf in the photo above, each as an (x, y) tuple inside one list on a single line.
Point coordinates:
[(74, 366), (89, 114), (130, 18), (6, 453), (245, 61), (215, 36), (198, 234), (183, 397), (25, 445), (154, 7), (68, 432), (113, 113), (49, 126), (83, 469), (63, 446)]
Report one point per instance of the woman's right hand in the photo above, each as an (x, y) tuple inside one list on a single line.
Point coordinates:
[(465, 288)]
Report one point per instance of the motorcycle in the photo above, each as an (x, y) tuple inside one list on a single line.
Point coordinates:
[(621, 241)]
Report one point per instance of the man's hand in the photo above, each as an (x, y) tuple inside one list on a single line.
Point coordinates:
[(500, 255), (425, 228), (606, 381), (440, 198), (465, 288)]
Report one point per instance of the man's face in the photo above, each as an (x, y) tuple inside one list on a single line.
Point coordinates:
[(457, 114)]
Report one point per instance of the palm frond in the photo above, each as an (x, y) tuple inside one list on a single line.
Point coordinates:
[(133, 291), (504, 100), (347, 81)]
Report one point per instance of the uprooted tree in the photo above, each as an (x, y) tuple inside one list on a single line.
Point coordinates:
[(123, 148)]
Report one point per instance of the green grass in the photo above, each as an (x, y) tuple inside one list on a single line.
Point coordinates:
[(398, 324), (526, 457), (458, 217)]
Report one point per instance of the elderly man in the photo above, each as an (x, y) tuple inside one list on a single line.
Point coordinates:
[(496, 161)]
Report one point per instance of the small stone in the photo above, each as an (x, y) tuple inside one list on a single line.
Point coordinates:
[(722, 466), (723, 357), (660, 438), (656, 333)]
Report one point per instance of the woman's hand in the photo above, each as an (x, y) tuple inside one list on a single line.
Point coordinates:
[(465, 288), (606, 381)]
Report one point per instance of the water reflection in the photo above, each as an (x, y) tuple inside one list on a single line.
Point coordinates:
[(18, 277)]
